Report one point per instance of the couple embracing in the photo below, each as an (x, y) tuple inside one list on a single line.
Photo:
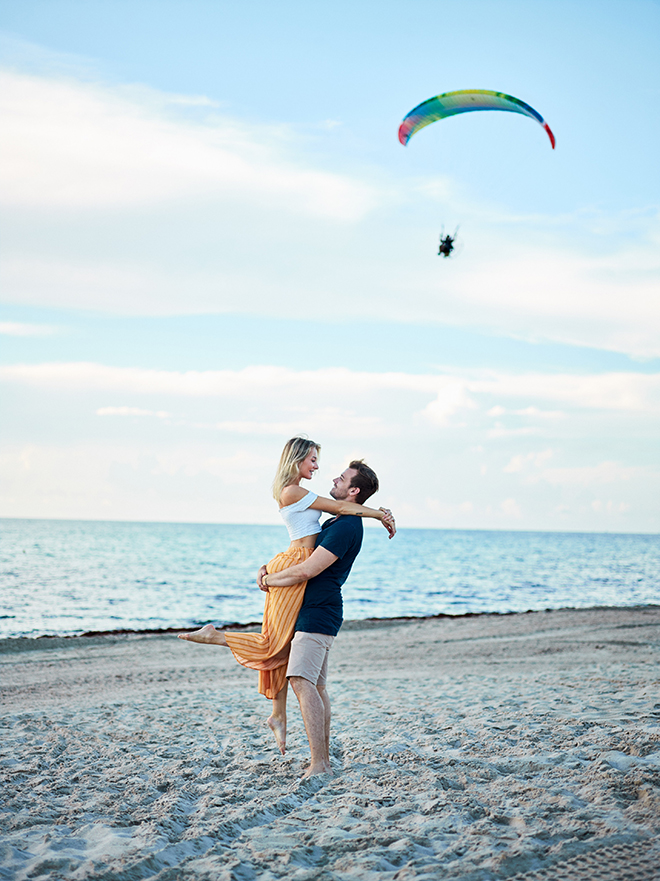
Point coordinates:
[(303, 610)]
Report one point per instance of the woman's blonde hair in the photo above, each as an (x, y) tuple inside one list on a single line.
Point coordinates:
[(293, 455)]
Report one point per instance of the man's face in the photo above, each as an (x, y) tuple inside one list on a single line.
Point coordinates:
[(342, 484)]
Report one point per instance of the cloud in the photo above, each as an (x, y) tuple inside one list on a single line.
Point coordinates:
[(593, 475), (341, 422), (134, 201), (522, 462), (21, 329), (450, 394), (511, 509), (132, 411), (122, 481), (451, 399), (249, 382), (499, 431), (73, 145), (163, 443), (603, 391), (535, 412), (564, 291), (610, 507)]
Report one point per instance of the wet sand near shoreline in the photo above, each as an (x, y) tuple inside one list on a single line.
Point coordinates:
[(471, 748)]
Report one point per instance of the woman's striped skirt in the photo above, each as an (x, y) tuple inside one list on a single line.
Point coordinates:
[(268, 651)]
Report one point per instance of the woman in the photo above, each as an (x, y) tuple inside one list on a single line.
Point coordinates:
[(301, 510)]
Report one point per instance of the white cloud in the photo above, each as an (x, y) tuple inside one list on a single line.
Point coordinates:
[(593, 475), (233, 469), (451, 394), (73, 145), (341, 422), (534, 412), (137, 461), (158, 177), (602, 391), (451, 399), (511, 509), (251, 381), (438, 508), (123, 481), (20, 328), (556, 291), (132, 411), (499, 431), (610, 507), (522, 462)]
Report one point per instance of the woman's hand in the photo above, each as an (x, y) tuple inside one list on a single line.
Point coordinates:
[(260, 575), (388, 521)]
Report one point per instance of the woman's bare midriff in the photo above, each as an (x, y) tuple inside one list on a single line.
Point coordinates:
[(309, 541)]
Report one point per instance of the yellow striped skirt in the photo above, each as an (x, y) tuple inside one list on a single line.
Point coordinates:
[(268, 651)]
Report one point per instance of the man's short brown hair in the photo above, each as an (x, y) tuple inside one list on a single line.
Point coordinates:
[(365, 480)]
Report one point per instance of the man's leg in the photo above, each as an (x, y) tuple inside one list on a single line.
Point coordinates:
[(313, 709), (325, 697), (307, 672)]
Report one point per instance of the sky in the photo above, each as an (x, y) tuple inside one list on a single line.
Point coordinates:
[(212, 240)]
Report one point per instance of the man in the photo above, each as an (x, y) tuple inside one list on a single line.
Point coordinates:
[(321, 614)]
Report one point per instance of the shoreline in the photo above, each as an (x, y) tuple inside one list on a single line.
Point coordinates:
[(277, 524), (348, 624), (471, 748)]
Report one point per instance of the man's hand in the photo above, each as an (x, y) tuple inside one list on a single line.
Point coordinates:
[(319, 560)]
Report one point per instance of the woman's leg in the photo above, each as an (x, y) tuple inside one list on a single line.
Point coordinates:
[(277, 718), (267, 651), (207, 635)]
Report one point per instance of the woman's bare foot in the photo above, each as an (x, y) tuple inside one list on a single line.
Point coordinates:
[(207, 635), (278, 727)]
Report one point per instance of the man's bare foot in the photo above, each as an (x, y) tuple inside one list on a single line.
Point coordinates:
[(207, 635), (278, 727), (315, 770)]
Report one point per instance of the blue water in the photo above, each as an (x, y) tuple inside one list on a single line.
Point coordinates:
[(65, 577)]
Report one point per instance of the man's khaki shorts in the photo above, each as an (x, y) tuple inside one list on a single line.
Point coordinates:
[(309, 657)]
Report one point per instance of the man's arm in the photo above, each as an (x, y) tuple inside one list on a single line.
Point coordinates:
[(319, 560)]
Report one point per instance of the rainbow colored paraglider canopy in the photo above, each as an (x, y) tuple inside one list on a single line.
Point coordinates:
[(451, 103)]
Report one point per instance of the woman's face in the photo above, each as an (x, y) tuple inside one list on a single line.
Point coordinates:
[(309, 465)]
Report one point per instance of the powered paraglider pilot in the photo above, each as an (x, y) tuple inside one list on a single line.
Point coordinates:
[(446, 244)]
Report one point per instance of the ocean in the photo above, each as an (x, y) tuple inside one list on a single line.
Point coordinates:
[(70, 577)]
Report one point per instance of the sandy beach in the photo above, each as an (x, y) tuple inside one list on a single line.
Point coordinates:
[(466, 748)]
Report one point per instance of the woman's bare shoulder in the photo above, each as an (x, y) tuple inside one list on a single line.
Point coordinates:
[(291, 494)]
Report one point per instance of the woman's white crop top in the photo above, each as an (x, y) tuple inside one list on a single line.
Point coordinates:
[(300, 519)]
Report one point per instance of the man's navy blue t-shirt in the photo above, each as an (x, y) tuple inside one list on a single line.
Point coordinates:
[(322, 610)]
